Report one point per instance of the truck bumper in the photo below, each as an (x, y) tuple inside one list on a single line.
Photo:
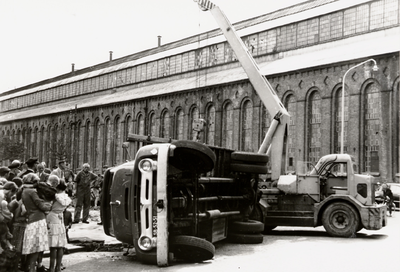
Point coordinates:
[(373, 217)]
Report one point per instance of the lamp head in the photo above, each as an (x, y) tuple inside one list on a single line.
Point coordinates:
[(375, 68)]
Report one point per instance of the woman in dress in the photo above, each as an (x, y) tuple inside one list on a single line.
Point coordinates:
[(55, 223), (35, 239)]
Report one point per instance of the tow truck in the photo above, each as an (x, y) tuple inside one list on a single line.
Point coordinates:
[(179, 197)]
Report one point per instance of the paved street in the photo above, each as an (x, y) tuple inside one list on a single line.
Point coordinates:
[(286, 249)]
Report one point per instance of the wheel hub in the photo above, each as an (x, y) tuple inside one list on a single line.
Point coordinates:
[(340, 220)]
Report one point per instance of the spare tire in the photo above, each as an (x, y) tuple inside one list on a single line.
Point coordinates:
[(249, 226), (191, 248), (192, 156), (243, 238)]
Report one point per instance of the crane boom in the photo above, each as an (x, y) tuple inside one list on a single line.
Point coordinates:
[(274, 143)]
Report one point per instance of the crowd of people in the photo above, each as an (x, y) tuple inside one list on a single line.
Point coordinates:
[(34, 215)]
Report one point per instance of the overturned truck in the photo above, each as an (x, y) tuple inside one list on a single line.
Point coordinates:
[(176, 199)]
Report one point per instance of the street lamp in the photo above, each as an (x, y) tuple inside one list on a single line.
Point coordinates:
[(375, 68)]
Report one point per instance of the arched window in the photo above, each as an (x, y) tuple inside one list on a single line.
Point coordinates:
[(42, 146), (140, 124), (338, 121), (97, 145), (194, 115), (79, 146), (127, 129), (290, 105), (117, 141), (210, 119), (35, 145), (165, 124), (152, 124), (179, 124), (88, 142), (372, 128), (247, 126), (227, 125), (314, 127), (29, 142), (107, 142), (54, 145)]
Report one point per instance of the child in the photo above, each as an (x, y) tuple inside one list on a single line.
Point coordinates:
[(55, 224), (67, 222)]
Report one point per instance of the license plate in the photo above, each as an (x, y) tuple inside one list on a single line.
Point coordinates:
[(154, 226)]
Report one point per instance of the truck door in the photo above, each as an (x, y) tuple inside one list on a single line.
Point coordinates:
[(119, 204)]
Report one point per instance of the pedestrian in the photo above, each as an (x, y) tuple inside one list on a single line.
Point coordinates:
[(67, 221), (60, 170), (35, 239), (19, 224), (6, 193), (30, 167), (388, 197), (4, 170), (95, 189), (43, 176), (69, 180), (83, 181), (8, 257), (14, 169), (55, 224)]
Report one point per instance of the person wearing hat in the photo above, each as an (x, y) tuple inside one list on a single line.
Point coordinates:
[(6, 194), (59, 171), (4, 170), (31, 167), (14, 169), (36, 239)]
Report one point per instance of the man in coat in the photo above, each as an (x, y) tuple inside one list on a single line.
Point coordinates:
[(83, 181)]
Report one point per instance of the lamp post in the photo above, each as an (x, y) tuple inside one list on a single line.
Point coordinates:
[(375, 68)]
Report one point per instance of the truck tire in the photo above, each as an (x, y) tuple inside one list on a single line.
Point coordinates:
[(249, 157), (340, 220), (250, 226), (243, 238), (191, 248), (248, 168), (193, 156)]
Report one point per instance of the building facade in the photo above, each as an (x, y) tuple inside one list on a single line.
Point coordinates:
[(304, 51)]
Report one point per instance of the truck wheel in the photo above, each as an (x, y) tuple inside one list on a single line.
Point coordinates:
[(243, 238), (250, 226), (249, 157), (192, 248), (248, 168), (193, 156), (340, 220)]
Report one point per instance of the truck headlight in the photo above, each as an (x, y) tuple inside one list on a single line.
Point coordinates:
[(147, 165), (146, 243)]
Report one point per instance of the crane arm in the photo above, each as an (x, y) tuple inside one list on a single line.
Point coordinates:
[(275, 140)]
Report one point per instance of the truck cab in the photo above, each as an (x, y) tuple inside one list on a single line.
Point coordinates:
[(307, 198)]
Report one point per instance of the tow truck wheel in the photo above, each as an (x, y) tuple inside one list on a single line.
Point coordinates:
[(191, 248), (246, 238), (340, 220), (249, 226), (193, 156)]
